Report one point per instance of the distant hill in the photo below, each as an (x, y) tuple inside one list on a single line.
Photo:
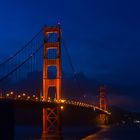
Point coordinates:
[(119, 115)]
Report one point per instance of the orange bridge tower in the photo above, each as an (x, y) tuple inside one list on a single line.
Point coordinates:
[(103, 118), (52, 85), (54, 61), (102, 98)]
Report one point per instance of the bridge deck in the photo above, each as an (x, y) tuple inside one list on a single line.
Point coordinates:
[(45, 104)]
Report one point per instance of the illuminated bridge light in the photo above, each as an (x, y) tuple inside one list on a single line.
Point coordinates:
[(19, 96), (72, 102), (62, 100), (28, 97), (7, 94), (75, 102), (24, 94), (66, 102), (97, 107), (55, 101), (11, 92), (43, 99), (69, 102)]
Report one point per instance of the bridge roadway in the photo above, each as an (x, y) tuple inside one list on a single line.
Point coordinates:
[(46, 104)]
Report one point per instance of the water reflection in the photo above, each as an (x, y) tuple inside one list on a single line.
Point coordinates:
[(51, 124), (127, 132), (117, 132), (98, 134)]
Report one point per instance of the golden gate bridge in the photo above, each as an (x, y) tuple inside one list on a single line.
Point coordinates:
[(17, 78)]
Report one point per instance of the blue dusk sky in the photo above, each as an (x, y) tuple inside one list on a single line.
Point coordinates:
[(102, 36)]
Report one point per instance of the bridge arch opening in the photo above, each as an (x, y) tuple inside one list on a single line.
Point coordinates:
[(53, 37), (52, 53), (52, 93), (52, 72)]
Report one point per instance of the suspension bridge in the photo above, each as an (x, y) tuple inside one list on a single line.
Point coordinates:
[(34, 76)]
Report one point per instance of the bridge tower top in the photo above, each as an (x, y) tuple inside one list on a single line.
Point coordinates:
[(52, 86), (102, 98)]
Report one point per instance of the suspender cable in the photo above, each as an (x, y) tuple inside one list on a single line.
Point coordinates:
[(19, 51), (26, 60), (72, 66)]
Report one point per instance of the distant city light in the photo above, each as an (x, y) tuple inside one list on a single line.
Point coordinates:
[(136, 121)]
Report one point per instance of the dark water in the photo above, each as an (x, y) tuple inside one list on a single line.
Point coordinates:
[(123, 132), (127, 132)]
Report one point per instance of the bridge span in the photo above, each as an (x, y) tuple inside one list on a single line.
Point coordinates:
[(51, 100), (50, 103)]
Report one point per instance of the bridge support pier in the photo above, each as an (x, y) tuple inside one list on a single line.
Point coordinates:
[(102, 119), (51, 124), (51, 137)]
